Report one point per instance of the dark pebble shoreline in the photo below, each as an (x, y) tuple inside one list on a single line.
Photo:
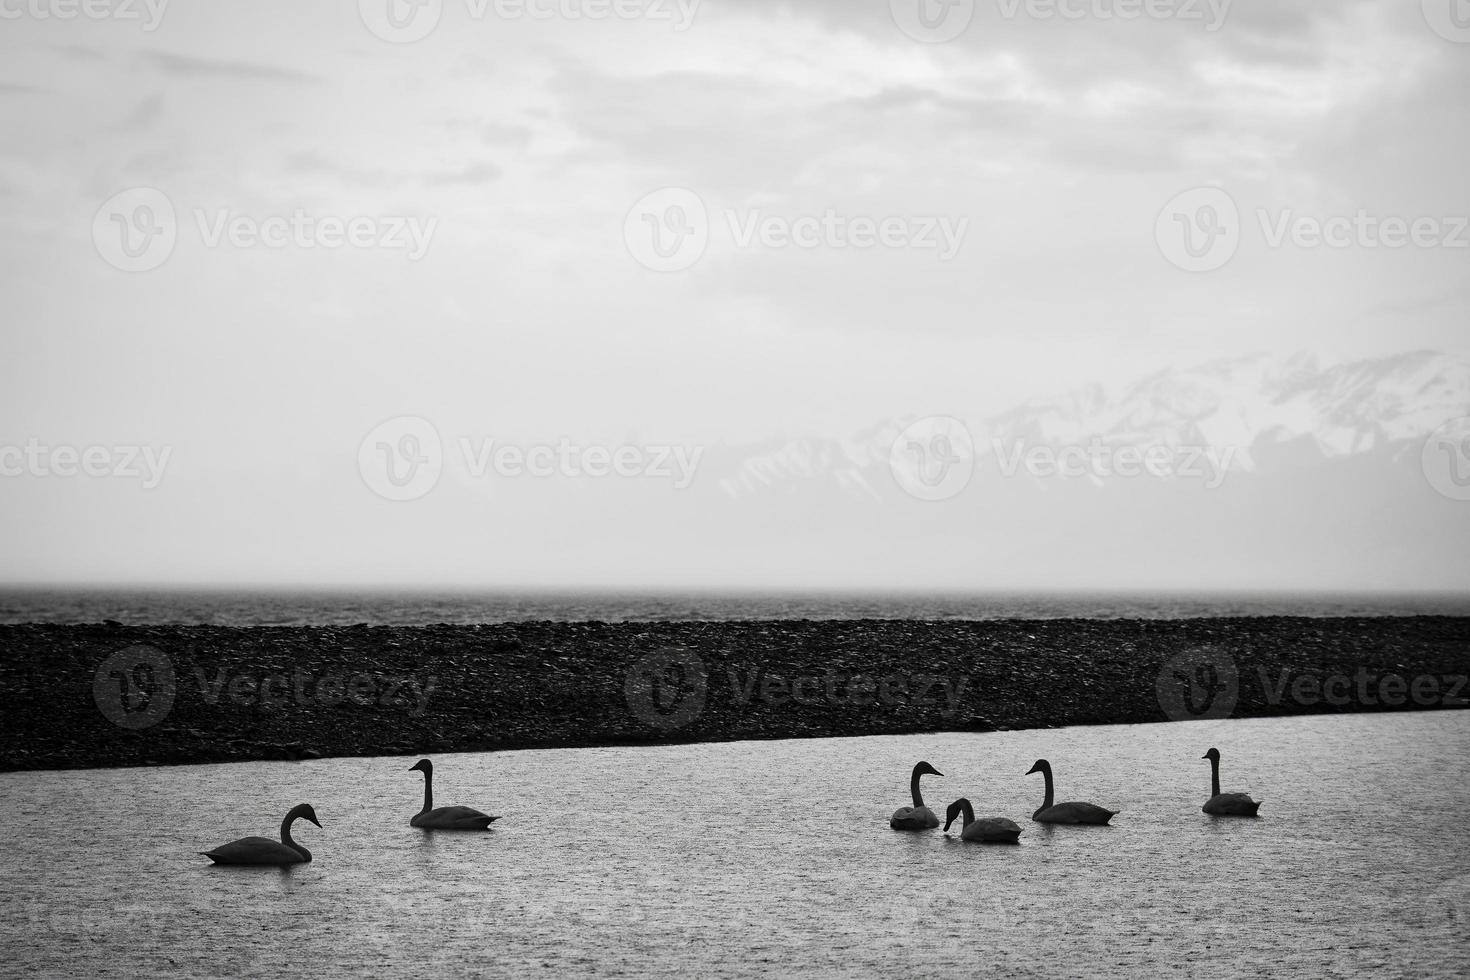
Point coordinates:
[(83, 696)]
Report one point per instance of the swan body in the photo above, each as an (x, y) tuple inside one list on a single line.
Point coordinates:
[(1067, 813), (445, 817), (1226, 804), (918, 816), (986, 830), (263, 850)]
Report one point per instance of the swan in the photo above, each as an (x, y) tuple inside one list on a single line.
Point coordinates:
[(1226, 804), (446, 817), (988, 830), (1066, 812), (263, 850), (918, 816)]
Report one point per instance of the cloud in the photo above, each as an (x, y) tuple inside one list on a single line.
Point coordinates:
[(475, 173), (189, 67)]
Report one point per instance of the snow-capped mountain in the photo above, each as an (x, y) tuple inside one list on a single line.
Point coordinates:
[(1247, 411)]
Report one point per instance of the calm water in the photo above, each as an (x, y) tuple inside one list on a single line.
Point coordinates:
[(278, 607), (741, 858)]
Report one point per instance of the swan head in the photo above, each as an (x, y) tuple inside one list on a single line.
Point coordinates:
[(423, 766), (924, 769), (955, 809), (1041, 766), (1213, 755), (305, 812)]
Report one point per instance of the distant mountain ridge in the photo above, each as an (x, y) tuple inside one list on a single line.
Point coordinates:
[(1256, 407)]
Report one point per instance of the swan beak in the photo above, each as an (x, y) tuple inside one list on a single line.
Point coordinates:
[(314, 820), (1031, 770), (938, 773)]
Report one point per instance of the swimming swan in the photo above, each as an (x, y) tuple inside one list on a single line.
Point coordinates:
[(263, 850), (918, 816), (1226, 804), (989, 830), (1066, 812), (446, 817)]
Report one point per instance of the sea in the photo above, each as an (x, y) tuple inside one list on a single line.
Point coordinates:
[(341, 607)]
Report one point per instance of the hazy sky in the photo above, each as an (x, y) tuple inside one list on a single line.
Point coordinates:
[(517, 145)]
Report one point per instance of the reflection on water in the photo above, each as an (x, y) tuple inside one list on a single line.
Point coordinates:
[(740, 858)]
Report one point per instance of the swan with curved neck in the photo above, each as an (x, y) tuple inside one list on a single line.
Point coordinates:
[(263, 850), (987, 830), (445, 817), (918, 816), (1226, 804), (1068, 813)]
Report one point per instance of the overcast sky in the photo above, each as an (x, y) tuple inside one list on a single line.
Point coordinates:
[(517, 146)]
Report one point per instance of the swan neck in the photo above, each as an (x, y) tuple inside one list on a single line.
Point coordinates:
[(286, 837), (914, 789), (428, 791), (967, 814), (1046, 774), (1214, 777)]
